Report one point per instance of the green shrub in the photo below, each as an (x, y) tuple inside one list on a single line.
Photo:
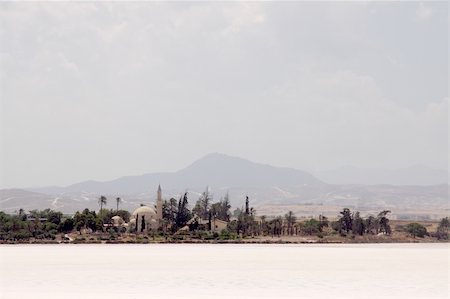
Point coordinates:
[(416, 230), (209, 237), (20, 235)]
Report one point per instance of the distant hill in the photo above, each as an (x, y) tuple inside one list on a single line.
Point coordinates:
[(213, 170), (12, 200), (418, 175), (267, 186)]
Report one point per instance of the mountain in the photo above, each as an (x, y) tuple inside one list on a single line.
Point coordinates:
[(418, 175), (222, 170), (214, 170), (15, 199), (271, 190), (11, 200)]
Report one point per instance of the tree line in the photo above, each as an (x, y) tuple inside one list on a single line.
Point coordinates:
[(242, 222)]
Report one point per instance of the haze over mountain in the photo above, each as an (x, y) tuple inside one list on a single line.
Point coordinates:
[(270, 189), (214, 170), (305, 84), (414, 175)]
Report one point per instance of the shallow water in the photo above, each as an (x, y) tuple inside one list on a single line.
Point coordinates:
[(225, 271)]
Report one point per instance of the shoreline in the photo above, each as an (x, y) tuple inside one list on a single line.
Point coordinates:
[(224, 242)]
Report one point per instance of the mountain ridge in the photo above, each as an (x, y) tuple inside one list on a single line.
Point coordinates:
[(213, 170), (266, 185)]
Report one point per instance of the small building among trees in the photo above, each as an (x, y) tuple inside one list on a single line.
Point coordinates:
[(197, 223)]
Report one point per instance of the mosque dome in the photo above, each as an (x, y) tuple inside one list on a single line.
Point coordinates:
[(144, 210), (117, 220), (145, 218)]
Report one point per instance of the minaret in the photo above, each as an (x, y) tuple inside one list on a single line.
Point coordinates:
[(159, 204)]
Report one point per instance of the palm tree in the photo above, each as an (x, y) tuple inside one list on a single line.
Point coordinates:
[(102, 201), (290, 219), (118, 201), (384, 222)]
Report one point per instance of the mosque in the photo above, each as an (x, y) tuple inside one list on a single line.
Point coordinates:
[(146, 218)]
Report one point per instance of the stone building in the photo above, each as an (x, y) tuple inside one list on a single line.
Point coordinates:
[(146, 218)]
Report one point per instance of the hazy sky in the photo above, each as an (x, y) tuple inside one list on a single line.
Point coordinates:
[(98, 91)]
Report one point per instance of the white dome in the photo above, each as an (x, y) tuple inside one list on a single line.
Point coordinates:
[(117, 220), (144, 210), (146, 215)]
